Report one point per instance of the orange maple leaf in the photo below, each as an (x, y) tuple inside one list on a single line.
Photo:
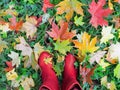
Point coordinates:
[(62, 33), (14, 25), (86, 45)]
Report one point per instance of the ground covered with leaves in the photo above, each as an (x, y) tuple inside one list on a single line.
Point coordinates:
[(89, 29)]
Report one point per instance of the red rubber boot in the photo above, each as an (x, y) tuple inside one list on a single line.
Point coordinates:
[(49, 78), (70, 74)]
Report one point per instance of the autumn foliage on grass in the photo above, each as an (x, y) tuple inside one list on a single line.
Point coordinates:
[(89, 29)]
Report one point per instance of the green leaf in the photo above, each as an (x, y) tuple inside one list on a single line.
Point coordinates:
[(117, 71), (78, 20), (62, 46)]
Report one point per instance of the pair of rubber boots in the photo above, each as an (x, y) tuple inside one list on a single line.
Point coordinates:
[(49, 78)]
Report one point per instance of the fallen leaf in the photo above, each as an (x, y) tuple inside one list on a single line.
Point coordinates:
[(15, 58), (24, 47), (69, 6), (62, 46), (78, 20), (11, 75), (106, 34), (37, 50), (5, 27), (96, 57), (46, 4), (103, 64), (117, 71), (3, 45), (111, 86), (14, 25), (29, 27), (10, 66), (114, 53), (104, 81), (117, 22), (27, 83), (98, 13), (86, 45), (110, 4), (86, 74), (62, 33)]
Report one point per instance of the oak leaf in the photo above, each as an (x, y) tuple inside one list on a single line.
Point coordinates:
[(62, 33), (86, 45), (98, 13), (68, 7)]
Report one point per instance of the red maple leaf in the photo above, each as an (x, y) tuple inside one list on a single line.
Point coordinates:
[(46, 4), (10, 67), (14, 25), (62, 33), (98, 13), (86, 74), (39, 20)]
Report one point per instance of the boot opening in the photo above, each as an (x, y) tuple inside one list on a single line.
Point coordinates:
[(44, 88), (76, 87)]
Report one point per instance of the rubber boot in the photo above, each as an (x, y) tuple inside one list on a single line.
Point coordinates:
[(49, 78), (70, 74)]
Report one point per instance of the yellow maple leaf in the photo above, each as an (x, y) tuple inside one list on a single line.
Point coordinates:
[(69, 6), (86, 45), (11, 75)]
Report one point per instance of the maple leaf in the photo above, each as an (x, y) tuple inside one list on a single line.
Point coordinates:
[(30, 26), (117, 22), (69, 6), (114, 53), (62, 46), (46, 4), (86, 74), (15, 58), (78, 20), (86, 45), (96, 56), (14, 25), (111, 86), (37, 50), (5, 27), (11, 75), (10, 66), (24, 47), (3, 45), (61, 33), (117, 71), (28, 53), (98, 13), (27, 83), (106, 34)]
